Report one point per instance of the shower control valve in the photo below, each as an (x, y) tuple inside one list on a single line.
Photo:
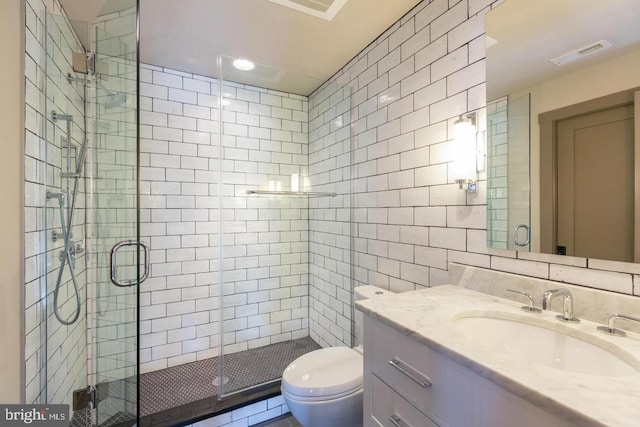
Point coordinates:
[(56, 235), (59, 196), (74, 250)]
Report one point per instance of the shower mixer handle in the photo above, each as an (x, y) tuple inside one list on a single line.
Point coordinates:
[(57, 235), (74, 251)]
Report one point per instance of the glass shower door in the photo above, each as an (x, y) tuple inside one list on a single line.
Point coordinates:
[(508, 180), (285, 276), (120, 260), (94, 260)]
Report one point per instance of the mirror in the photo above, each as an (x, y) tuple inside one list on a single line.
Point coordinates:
[(575, 66)]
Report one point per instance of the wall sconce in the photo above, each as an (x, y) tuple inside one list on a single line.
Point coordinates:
[(469, 152)]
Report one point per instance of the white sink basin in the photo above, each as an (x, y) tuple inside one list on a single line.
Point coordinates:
[(544, 346)]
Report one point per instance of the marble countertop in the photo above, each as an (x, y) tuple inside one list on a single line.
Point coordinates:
[(429, 317)]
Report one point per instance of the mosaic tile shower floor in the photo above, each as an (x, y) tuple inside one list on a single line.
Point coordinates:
[(169, 391), (179, 385)]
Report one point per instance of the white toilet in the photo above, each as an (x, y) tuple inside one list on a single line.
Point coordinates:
[(324, 388)]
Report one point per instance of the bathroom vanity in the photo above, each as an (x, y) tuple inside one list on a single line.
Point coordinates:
[(450, 356)]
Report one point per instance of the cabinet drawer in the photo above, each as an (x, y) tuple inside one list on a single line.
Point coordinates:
[(428, 380), (389, 409)]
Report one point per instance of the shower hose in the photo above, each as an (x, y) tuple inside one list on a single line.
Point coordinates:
[(66, 259)]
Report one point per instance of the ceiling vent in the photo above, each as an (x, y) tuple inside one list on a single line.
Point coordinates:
[(581, 52), (325, 9)]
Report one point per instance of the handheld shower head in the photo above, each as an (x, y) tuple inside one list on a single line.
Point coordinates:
[(82, 154)]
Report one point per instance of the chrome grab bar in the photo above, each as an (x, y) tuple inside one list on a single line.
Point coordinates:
[(422, 382), (113, 266)]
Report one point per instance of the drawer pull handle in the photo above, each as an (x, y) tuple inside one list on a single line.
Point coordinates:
[(398, 422), (422, 382)]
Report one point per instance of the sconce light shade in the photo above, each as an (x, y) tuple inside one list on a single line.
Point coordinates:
[(465, 164)]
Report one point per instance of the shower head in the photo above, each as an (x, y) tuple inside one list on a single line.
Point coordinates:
[(115, 100)]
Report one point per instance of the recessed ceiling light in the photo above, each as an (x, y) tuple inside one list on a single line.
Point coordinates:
[(244, 64)]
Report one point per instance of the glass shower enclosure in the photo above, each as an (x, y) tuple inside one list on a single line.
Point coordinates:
[(94, 260), (279, 236), (284, 227)]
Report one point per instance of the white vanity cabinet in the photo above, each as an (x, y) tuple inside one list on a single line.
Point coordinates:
[(409, 384)]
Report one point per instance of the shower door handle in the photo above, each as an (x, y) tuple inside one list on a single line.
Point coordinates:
[(515, 235), (113, 265)]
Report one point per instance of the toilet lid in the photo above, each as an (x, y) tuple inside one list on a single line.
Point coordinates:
[(334, 372)]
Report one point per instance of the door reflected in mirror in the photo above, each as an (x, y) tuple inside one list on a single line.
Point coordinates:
[(579, 61)]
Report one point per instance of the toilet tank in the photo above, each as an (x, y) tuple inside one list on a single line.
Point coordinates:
[(361, 293)]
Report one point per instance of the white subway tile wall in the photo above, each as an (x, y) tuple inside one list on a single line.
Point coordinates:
[(409, 217), (408, 87), (330, 148), (266, 238), (179, 217), (249, 415), (264, 142)]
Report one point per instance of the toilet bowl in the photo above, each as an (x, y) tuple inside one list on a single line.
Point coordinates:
[(323, 388)]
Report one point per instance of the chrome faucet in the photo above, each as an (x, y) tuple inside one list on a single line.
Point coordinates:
[(567, 304), (611, 329)]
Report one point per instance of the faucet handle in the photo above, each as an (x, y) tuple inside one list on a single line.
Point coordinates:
[(530, 308), (610, 329)]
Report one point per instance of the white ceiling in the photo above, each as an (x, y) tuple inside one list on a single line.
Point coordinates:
[(296, 52), (530, 33)]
